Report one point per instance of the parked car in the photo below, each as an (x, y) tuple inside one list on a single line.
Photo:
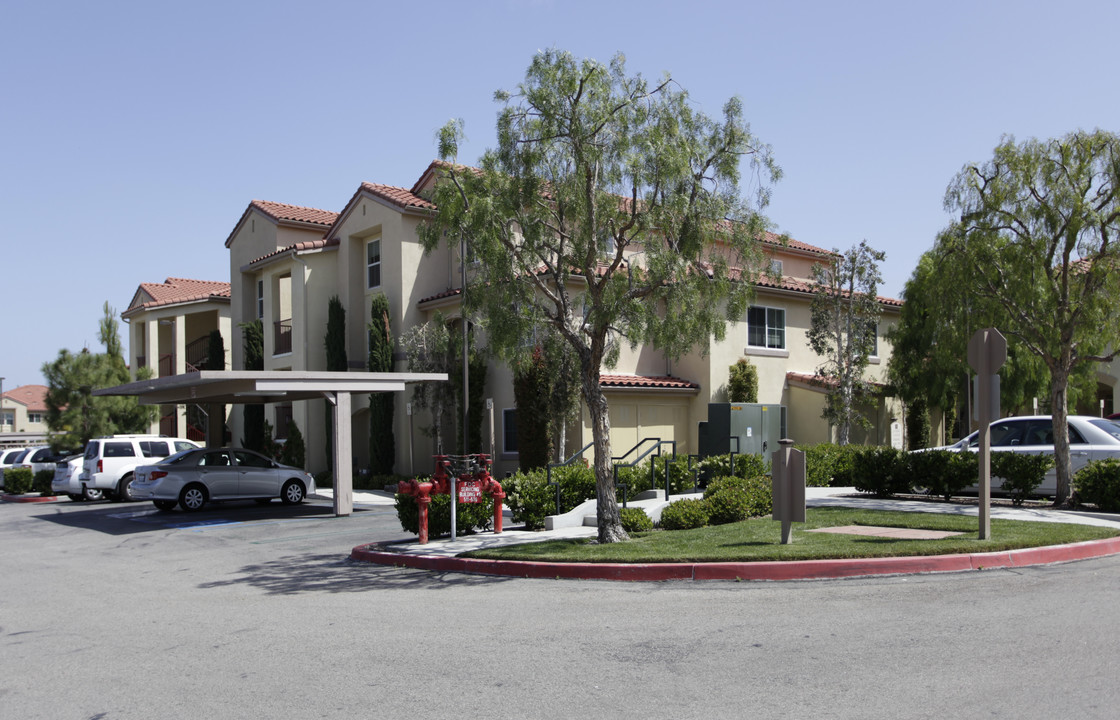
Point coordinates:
[(66, 479), (110, 462), (39, 458), (1090, 438), (192, 478), (8, 458)]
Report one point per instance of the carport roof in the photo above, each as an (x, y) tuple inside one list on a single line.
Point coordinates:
[(262, 386)]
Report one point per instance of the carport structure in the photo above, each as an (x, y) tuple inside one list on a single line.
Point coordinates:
[(250, 387)]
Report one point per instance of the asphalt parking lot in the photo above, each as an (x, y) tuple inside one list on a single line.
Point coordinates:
[(115, 612)]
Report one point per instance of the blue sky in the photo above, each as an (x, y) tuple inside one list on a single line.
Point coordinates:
[(134, 134)]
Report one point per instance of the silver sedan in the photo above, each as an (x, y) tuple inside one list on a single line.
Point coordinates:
[(192, 478), (1090, 438)]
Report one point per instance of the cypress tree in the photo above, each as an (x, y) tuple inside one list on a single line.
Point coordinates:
[(335, 342), (382, 444)]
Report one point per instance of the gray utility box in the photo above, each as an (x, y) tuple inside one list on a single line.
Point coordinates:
[(758, 429)]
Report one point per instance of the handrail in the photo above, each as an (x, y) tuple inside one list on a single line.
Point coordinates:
[(569, 461)]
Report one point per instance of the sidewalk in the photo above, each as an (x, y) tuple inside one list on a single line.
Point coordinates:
[(441, 555)]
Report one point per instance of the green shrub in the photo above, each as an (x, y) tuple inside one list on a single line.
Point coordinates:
[(828, 464), (17, 481), (637, 478), (943, 473), (684, 515), (729, 505), (42, 482), (529, 498), (469, 518), (635, 520), (1022, 474), (756, 491), (880, 470), (745, 466), (1099, 483)]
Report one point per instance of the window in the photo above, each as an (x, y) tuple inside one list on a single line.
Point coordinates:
[(35, 417), (157, 448), (776, 267), (283, 417), (373, 264), (873, 331), (766, 327), (509, 430), (8, 418), (260, 299), (118, 449)]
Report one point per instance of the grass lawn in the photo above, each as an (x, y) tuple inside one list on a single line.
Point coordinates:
[(760, 539)]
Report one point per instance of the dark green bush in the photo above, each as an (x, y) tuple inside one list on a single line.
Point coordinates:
[(529, 498), (635, 520), (746, 466), (729, 505), (880, 470), (17, 481), (1022, 474), (684, 515), (681, 479), (469, 518), (756, 491), (42, 482), (828, 464), (1099, 483), (942, 473)]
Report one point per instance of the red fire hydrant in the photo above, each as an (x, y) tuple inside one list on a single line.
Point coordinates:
[(477, 482)]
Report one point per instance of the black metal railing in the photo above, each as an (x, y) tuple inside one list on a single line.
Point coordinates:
[(282, 337)]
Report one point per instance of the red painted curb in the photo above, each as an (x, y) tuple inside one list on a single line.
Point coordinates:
[(791, 570), (32, 498)]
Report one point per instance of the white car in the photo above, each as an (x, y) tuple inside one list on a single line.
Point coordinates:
[(1090, 438), (110, 462), (192, 478), (66, 480)]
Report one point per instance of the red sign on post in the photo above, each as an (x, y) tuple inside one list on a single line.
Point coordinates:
[(470, 491)]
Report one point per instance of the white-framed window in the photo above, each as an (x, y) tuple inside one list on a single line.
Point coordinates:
[(35, 417), (509, 431), (766, 327), (776, 268), (8, 418), (373, 264), (873, 330), (260, 299)]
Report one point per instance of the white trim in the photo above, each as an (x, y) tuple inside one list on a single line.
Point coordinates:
[(765, 352)]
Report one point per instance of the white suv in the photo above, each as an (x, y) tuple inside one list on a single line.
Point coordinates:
[(110, 461)]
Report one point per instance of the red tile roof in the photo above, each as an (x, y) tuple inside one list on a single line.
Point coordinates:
[(396, 196), (819, 380), (294, 213), (173, 291), (33, 397), (440, 296), (299, 247), (657, 382), (284, 213)]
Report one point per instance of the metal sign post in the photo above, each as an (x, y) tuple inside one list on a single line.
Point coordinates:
[(987, 352)]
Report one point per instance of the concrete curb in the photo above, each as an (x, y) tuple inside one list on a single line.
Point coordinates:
[(791, 570), (32, 498)]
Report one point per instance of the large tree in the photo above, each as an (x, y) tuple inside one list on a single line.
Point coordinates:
[(74, 415), (1038, 227), (844, 320), (610, 211)]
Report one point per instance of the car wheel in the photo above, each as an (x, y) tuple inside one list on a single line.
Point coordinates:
[(124, 489), (192, 498), (92, 494), (292, 493), (164, 504)]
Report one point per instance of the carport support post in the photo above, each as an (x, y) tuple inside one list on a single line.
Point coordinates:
[(343, 472)]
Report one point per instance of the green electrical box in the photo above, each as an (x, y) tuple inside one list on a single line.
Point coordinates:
[(744, 428)]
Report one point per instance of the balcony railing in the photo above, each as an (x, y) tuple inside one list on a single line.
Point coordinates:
[(282, 337)]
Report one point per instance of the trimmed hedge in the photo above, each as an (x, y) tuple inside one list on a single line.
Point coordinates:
[(17, 481), (635, 520), (828, 464), (944, 473), (42, 483), (757, 493), (880, 470), (684, 515), (1022, 474), (1099, 483)]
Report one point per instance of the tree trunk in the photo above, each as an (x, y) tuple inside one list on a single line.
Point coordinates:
[(1059, 412), (606, 512)]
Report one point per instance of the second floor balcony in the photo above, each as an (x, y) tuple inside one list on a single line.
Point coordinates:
[(282, 337)]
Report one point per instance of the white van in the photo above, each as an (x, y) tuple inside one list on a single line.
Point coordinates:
[(110, 461)]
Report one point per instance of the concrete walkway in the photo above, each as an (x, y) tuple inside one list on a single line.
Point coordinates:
[(441, 555)]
